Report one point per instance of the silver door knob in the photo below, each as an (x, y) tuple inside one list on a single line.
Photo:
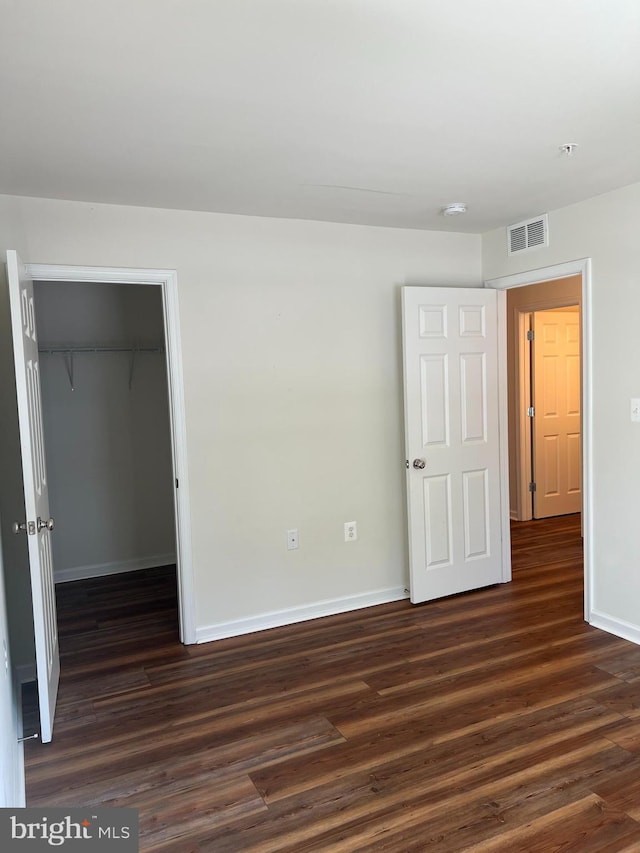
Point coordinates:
[(419, 464), (48, 525), (17, 527)]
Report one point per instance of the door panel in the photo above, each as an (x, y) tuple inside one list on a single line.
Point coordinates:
[(36, 493), (437, 520), (476, 514), (473, 395), (557, 453), (435, 416), (451, 418)]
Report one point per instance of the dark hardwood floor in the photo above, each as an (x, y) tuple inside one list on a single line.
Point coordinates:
[(492, 721)]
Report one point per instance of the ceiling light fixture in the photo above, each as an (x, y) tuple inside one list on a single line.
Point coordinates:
[(454, 209), (568, 149)]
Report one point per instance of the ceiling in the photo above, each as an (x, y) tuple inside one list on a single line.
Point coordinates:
[(365, 111)]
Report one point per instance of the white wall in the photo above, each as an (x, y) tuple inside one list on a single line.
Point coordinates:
[(292, 369), (606, 229), (108, 446)]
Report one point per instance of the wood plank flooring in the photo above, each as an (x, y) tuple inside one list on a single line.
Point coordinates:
[(492, 721)]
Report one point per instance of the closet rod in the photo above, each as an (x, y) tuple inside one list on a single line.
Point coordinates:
[(54, 350), (69, 352)]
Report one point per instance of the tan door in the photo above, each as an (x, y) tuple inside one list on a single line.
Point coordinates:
[(557, 445)]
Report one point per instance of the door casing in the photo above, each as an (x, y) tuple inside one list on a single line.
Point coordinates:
[(580, 267), (543, 297), (168, 281)]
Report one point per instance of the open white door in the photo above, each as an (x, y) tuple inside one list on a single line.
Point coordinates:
[(38, 525), (557, 440), (452, 439)]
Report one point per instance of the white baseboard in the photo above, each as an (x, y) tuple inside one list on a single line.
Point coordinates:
[(25, 672), (513, 515), (615, 626), (98, 570), (290, 616)]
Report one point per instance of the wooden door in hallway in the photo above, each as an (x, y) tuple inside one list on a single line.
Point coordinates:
[(557, 440)]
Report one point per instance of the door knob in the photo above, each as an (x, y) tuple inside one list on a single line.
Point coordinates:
[(48, 525), (17, 527), (419, 464)]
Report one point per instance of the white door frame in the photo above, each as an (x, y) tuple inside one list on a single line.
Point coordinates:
[(581, 267), (168, 281)]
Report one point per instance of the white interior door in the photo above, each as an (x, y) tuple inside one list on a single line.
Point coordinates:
[(557, 442), (452, 439), (36, 494)]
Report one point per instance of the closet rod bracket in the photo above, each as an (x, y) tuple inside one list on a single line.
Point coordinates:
[(68, 362)]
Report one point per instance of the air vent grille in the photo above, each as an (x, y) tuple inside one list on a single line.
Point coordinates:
[(517, 238), (531, 234)]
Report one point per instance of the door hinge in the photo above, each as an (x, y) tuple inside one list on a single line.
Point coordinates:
[(28, 527), (406, 463), (532, 487), (176, 482), (531, 335), (531, 411)]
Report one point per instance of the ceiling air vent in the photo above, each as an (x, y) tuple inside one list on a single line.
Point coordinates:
[(530, 234)]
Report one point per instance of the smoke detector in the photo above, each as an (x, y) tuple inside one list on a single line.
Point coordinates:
[(454, 209)]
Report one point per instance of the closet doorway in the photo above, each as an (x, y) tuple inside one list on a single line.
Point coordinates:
[(107, 427), (137, 359)]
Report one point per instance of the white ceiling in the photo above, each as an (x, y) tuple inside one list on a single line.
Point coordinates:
[(365, 111)]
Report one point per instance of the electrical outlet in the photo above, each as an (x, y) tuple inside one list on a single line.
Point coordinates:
[(350, 531), (292, 539)]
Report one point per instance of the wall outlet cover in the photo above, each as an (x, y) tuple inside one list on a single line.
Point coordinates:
[(350, 531)]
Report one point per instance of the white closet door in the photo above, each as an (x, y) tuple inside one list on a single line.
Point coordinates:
[(37, 524)]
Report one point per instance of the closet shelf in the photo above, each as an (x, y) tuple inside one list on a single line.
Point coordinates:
[(69, 351)]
